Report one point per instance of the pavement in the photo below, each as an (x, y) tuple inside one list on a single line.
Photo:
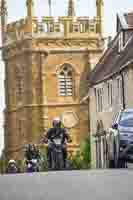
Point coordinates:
[(68, 185)]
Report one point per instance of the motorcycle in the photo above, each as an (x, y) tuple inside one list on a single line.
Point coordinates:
[(32, 166), (57, 154), (12, 169)]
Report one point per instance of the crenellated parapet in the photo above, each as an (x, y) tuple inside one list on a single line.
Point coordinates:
[(51, 27)]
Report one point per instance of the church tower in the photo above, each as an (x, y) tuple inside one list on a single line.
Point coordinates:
[(47, 63)]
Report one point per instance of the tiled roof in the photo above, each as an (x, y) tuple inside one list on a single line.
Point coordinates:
[(112, 61)]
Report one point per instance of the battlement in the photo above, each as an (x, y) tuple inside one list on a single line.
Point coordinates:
[(52, 27)]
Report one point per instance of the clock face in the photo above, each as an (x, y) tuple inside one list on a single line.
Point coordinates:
[(69, 119)]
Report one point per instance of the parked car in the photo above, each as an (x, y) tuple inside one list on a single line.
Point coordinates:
[(120, 139)]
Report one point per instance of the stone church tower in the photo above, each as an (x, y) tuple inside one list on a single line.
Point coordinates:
[(46, 68)]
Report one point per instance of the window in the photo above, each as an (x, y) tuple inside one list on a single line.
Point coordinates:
[(75, 27), (65, 81), (57, 27), (119, 90), (110, 94), (50, 27), (99, 99), (82, 28), (41, 27), (126, 119)]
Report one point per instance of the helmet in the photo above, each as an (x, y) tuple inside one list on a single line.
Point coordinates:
[(56, 122), (12, 162), (35, 146)]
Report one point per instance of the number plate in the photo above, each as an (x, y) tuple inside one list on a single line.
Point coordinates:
[(57, 141), (34, 161), (29, 165)]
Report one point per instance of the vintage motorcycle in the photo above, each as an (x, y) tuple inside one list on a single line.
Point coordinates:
[(57, 154), (32, 166)]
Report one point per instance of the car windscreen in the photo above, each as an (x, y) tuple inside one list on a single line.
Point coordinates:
[(126, 119)]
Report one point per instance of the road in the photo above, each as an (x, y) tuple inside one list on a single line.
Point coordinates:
[(69, 185)]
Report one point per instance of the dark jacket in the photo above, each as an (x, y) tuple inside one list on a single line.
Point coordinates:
[(57, 133)]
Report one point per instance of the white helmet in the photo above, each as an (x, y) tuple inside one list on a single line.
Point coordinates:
[(56, 121), (12, 162)]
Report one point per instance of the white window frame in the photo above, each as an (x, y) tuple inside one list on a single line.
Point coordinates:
[(99, 94), (65, 83), (110, 93), (119, 90)]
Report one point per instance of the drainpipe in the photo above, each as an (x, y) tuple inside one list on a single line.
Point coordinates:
[(123, 91)]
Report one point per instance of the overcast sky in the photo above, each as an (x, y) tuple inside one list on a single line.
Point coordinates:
[(16, 10)]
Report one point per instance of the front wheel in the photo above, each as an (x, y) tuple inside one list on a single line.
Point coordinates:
[(59, 160)]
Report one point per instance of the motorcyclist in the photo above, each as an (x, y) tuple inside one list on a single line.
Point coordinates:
[(32, 152), (12, 167), (54, 132), (29, 152)]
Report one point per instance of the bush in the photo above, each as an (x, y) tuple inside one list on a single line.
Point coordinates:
[(3, 166), (44, 161), (81, 160)]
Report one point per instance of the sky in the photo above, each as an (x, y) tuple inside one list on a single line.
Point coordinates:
[(17, 10)]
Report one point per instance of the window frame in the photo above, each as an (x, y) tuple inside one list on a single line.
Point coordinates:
[(99, 95), (65, 83)]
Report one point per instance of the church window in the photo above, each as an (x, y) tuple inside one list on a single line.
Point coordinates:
[(66, 81), (82, 28), (41, 27), (75, 27), (51, 27)]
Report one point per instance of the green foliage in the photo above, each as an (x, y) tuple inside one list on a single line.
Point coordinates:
[(44, 161), (81, 160), (3, 166)]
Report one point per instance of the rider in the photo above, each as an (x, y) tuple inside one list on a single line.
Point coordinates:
[(12, 167), (57, 130), (32, 152)]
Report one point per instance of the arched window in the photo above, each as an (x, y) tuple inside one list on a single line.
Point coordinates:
[(66, 81)]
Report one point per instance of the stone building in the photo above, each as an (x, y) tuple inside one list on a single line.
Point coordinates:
[(111, 87), (46, 67)]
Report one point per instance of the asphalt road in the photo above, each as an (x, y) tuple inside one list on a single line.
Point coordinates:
[(69, 185)]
